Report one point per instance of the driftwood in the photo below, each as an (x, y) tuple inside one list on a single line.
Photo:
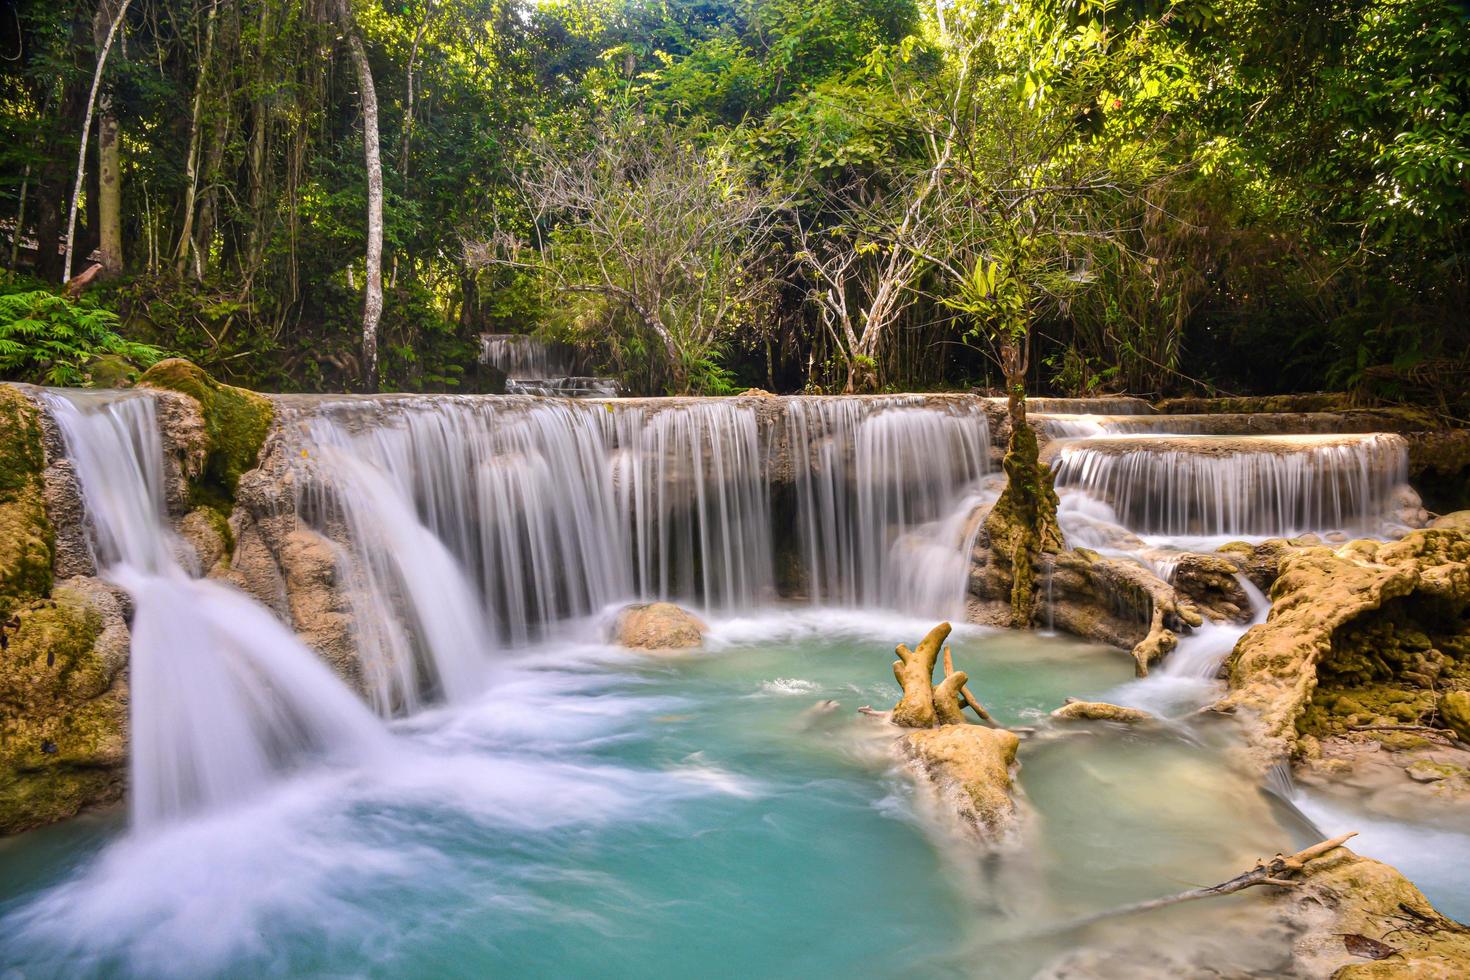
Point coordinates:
[(925, 704), (964, 688), (1272, 872)]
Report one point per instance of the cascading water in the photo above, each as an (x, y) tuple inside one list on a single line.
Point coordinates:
[(224, 698), (1239, 485), (521, 356), (885, 491), (539, 512)]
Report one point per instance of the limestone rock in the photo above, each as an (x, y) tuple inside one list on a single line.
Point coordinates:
[(971, 766), (658, 626), (26, 539), (1363, 634), (208, 535), (1454, 712), (1261, 563), (1101, 711), (1118, 602), (1344, 894), (235, 425), (1210, 583)]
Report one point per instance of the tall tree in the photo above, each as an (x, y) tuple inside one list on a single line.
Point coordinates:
[(372, 307)]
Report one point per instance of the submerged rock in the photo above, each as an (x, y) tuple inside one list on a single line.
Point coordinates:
[(658, 626), (1101, 711), (971, 767)]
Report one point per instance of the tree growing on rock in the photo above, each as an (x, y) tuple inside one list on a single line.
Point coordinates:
[(1024, 186)]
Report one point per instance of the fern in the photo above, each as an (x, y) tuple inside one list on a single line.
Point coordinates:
[(49, 339)]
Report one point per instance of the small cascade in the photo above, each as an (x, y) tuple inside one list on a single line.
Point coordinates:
[(533, 366), (224, 698), (885, 490), (535, 512), (1186, 680), (520, 356), (1241, 485)]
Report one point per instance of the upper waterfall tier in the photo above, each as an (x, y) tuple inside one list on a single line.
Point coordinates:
[(556, 509), (1245, 485), (1066, 425), (521, 356)]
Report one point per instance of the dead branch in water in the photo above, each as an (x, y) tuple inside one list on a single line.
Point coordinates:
[(1270, 872)]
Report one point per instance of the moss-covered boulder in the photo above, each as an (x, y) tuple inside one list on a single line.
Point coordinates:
[(1454, 713), (236, 423), (26, 540), (63, 705)]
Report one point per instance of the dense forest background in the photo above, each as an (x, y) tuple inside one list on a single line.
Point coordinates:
[(1098, 195)]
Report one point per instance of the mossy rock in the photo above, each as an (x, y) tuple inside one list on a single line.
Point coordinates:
[(236, 422), (26, 539), (63, 708), (1454, 712)]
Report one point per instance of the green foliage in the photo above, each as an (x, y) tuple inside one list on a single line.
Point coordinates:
[(49, 339)]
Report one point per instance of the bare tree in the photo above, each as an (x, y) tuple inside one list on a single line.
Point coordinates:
[(372, 307), (653, 224), (862, 267)]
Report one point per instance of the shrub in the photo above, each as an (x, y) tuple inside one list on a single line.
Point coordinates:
[(48, 339)]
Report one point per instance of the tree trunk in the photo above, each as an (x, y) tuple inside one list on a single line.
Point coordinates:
[(109, 160), (109, 191), (76, 194), (1022, 525), (191, 160), (372, 308)]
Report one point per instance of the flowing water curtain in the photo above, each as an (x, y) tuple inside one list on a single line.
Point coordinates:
[(884, 491), (224, 698), (551, 511), (1241, 485)]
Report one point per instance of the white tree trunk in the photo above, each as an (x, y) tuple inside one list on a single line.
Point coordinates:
[(76, 194), (372, 309)]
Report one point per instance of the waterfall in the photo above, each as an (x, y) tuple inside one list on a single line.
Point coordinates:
[(1245, 485), (522, 356), (224, 698), (885, 490), (533, 512)]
